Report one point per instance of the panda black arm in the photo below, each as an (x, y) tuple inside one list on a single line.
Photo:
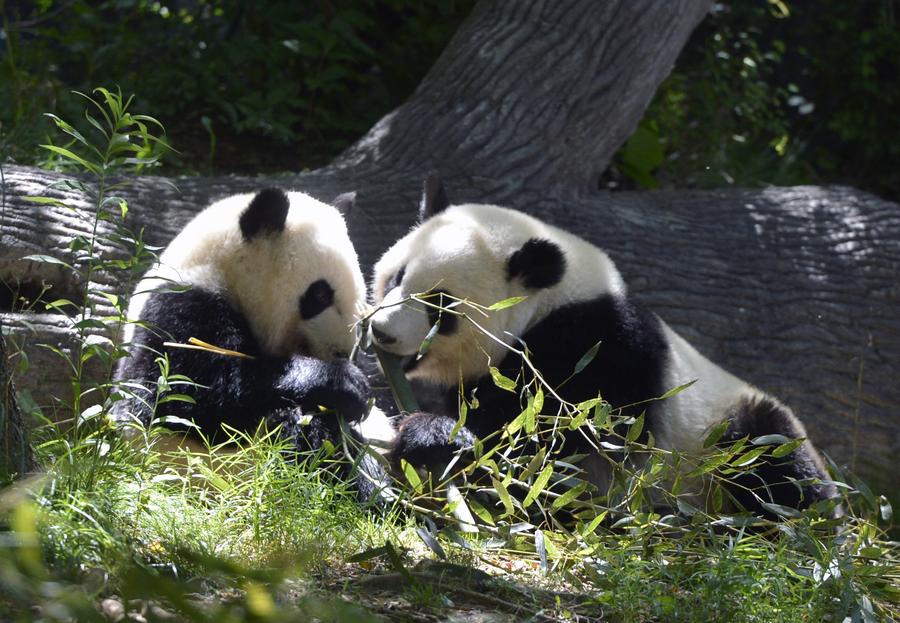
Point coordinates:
[(234, 390)]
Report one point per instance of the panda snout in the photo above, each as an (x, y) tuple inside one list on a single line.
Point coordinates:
[(381, 337)]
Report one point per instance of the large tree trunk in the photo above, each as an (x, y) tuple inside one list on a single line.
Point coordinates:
[(794, 289)]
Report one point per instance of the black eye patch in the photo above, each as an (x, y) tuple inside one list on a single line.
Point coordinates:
[(318, 297), (395, 280), (449, 321)]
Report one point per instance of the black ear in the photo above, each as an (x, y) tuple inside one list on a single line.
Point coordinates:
[(344, 203), (539, 264), (434, 198), (265, 214)]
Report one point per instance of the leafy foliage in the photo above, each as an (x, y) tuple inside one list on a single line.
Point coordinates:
[(772, 92), (258, 86)]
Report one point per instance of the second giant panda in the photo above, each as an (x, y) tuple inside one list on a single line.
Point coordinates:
[(273, 278), (574, 299)]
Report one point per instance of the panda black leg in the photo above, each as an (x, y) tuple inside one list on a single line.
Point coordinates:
[(424, 441), (792, 480), (310, 433)]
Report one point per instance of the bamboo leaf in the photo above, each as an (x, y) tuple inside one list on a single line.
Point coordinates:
[(587, 358), (715, 434), (412, 477), (566, 498), (513, 300), (429, 338), (501, 381), (539, 484), (786, 448), (778, 509), (635, 430), (677, 390), (505, 498), (749, 457), (481, 512)]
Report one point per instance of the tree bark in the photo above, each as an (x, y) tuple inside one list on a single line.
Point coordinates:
[(539, 93), (16, 457), (794, 289)]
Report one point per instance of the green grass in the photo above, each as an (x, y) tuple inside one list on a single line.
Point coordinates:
[(248, 533)]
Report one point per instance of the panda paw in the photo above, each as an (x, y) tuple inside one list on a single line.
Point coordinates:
[(424, 441), (337, 385)]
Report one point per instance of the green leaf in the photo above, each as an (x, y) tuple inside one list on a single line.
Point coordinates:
[(677, 390), (539, 484), (501, 381), (47, 259), (579, 419), (505, 498), (89, 323), (412, 477), (716, 433), (48, 201), (710, 464), (533, 464), (635, 430), (566, 498), (463, 413), (778, 509), (529, 415), (602, 416), (480, 511), (60, 303), (748, 457), (429, 338), (176, 398), (513, 300), (786, 448), (368, 554), (538, 400), (587, 358), (65, 153), (68, 129)]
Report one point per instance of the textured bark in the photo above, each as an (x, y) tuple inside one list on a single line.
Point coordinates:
[(537, 93), (795, 289), (15, 452)]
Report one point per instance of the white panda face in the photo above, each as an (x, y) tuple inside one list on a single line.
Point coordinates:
[(286, 263), (300, 287), (468, 252)]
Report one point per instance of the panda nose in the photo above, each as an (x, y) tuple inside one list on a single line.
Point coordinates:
[(381, 337)]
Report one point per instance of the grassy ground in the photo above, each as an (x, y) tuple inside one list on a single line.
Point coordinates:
[(247, 533)]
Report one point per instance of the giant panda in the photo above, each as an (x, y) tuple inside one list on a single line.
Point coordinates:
[(273, 278), (574, 299)]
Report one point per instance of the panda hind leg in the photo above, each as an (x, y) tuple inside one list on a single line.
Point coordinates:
[(794, 480)]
